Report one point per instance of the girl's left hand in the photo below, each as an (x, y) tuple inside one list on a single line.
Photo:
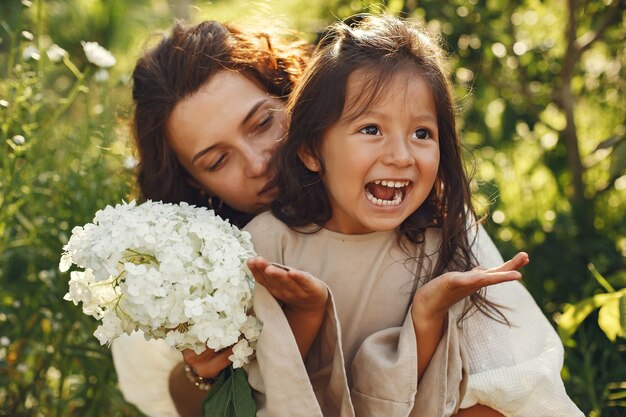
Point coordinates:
[(436, 297)]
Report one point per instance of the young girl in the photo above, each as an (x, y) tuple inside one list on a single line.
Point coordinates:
[(373, 199)]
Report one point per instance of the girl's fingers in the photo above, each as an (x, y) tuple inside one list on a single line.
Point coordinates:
[(293, 282), (493, 278), (476, 279), (518, 261)]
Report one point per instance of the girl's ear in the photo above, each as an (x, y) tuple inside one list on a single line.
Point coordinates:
[(308, 160)]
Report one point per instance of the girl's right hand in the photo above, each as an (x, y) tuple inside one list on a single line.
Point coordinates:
[(303, 296), (433, 300), (297, 290)]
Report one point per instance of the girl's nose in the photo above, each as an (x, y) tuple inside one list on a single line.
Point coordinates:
[(397, 152)]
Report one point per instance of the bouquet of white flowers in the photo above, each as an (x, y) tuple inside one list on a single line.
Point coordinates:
[(175, 272)]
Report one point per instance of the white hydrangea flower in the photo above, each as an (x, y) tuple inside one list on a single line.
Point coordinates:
[(176, 272), (97, 55), (241, 353)]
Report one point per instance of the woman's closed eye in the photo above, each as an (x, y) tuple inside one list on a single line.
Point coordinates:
[(217, 162), (265, 123)]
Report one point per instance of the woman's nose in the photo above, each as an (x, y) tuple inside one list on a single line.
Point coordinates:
[(257, 161)]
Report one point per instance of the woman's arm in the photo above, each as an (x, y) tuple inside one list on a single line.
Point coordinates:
[(186, 396), (478, 411), (143, 368)]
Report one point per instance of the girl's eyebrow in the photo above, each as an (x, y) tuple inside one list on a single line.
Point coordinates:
[(381, 115), (253, 110)]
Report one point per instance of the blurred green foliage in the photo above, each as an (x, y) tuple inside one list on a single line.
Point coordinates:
[(540, 86)]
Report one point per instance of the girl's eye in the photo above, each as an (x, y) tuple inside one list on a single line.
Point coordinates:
[(370, 130), (217, 164), (421, 134)]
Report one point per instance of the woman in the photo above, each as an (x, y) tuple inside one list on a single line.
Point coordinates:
[(208, 114), (208, 117)]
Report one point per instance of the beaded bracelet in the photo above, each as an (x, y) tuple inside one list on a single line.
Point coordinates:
[(201, 383)]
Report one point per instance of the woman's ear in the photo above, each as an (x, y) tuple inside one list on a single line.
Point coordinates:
[(191, 181), (308, 160)]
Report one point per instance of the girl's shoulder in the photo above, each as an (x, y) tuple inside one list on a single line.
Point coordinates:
[(263, 223), (266, 222)]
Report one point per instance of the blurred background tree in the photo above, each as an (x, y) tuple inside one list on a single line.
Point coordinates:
[(540, 86)]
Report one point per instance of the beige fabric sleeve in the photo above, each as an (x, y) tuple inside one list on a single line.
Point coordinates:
[(279, 376), (385, 378)]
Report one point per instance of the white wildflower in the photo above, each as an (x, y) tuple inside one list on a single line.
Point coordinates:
[(129, 162), (101, 76), (31, 52), (18, 140), (175, 272), (56, 53), (97, 55)]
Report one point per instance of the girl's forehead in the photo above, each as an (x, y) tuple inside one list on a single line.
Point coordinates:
[(367, 88)]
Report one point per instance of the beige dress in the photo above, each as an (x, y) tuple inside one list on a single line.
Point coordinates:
[(364, 361)]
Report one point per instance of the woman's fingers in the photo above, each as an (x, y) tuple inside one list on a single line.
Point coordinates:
[(209, 363)]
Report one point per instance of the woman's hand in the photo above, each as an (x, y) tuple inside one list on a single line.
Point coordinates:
[(303, 297), (208, 364)]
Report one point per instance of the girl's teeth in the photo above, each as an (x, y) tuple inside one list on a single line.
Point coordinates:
[(391, 184), (397, 199)]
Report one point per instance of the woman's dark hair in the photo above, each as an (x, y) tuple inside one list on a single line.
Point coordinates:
[(176, 68), (379, 47)]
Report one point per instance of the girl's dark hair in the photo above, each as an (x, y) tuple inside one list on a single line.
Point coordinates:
[(380, 47), (176, 68)]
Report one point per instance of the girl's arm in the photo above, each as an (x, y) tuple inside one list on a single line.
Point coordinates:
[(433, 300), (303, 297)]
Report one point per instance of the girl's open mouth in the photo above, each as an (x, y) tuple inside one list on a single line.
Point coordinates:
[(386, 192)]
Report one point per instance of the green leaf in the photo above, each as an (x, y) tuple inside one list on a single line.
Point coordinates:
[(242, 395), (622, 314), (575, 314), (230, 396), (608, 319), (217, 400)]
